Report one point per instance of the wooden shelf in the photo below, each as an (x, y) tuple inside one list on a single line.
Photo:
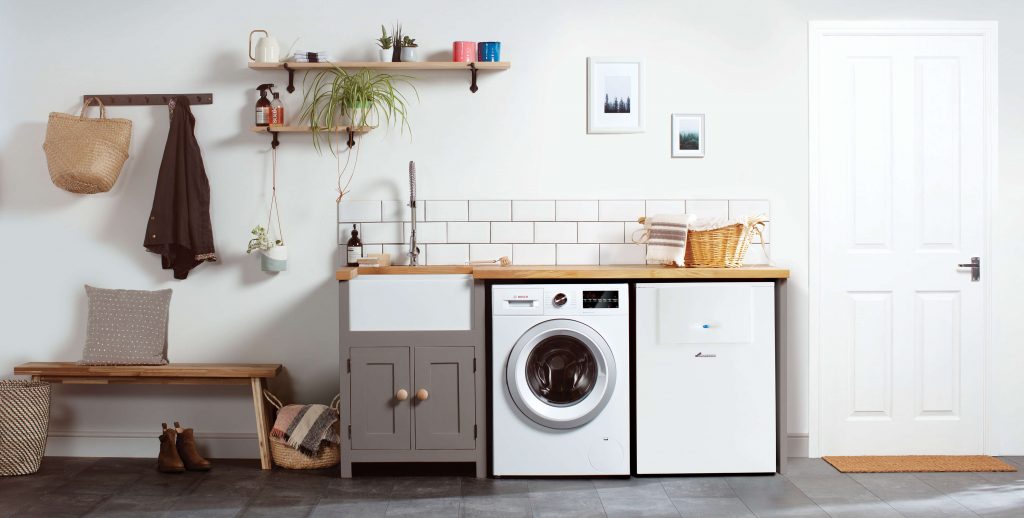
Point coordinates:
[(385, 65), (274, 128)]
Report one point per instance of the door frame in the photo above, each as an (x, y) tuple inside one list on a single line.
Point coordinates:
[(817, 31)]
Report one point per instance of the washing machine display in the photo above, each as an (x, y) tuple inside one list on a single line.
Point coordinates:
[(561, 373)]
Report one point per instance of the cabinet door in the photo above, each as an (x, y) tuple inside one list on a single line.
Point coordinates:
[(446, 418), (379, 420)]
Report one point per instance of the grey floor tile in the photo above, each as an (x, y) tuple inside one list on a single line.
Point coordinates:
[(283, 506), (61, 505), (494, 487), (329, 506), (102, 483), (711, 507), (426, 507), (911, 496), (867, 506), (154, 483), (65, 467), (976, 493), (697, 487), (554, 485), (578, 502), (131, 506), (208, 506), (830, 486), (636, 497), (774, 496), (412, 488), (800, 467), (507, 505)]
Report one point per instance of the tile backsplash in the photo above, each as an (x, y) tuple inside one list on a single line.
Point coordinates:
[(571, 232)]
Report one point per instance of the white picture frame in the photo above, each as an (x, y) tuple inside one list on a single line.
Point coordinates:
[(684, 126), (620, 81)]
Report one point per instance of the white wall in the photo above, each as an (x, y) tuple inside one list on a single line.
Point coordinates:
[(523, 135)]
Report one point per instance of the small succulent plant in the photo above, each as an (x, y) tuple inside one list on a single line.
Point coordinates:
[(384, 41), (409, 42), (261, 241)]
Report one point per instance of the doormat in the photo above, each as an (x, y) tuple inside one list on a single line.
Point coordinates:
[(917, 463)]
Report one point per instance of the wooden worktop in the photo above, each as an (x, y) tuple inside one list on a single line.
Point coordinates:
[(574, 272)]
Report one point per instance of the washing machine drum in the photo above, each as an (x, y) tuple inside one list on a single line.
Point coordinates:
[(560, 373)]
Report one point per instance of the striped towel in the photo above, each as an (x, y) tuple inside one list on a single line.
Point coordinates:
[(304, 427), (665, 235)]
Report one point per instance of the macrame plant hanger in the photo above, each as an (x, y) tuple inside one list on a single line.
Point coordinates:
[(274, 208)]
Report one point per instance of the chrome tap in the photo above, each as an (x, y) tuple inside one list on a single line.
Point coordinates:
[(414, 251)]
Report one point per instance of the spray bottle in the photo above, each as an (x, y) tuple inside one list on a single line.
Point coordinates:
[(263, 115)]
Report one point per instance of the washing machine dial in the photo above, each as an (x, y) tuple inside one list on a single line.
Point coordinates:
[(559, 300)]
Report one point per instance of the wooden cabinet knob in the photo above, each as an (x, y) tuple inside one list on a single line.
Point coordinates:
[(402, 395), (422, 394)]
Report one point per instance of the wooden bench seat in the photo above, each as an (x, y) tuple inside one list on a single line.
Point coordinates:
[(253, 374)]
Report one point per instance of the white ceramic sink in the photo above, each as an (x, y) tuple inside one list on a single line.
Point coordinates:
[(416, 302)]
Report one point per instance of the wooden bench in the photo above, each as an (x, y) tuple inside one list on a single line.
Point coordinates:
[(254, 375)]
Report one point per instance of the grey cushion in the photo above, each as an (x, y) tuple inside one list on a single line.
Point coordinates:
[(126, 327)]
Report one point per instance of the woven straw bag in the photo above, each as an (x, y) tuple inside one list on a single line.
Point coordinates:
[(24, 422), (85, 155), (723, 247), (289, 458)]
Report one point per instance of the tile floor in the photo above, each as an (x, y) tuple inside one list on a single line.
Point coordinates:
[(131, 488)]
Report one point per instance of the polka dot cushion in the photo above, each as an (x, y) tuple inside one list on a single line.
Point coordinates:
[(126, 327)]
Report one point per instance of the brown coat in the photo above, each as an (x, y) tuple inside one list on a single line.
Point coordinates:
[(179, 226)]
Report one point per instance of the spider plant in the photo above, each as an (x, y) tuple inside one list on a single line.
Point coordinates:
[(334, 97)]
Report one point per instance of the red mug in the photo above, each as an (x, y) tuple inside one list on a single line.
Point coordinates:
[(464, 51)]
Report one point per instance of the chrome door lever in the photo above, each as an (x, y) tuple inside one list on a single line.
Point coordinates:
[(975, 266)]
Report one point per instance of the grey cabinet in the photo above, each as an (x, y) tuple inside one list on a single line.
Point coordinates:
[(413, 396)]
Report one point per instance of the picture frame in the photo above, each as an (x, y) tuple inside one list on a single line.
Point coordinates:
[(615, 95), (688, 138)]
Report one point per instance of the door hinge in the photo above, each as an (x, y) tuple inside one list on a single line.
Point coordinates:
[(350, 432), (349, 368), (474, 431)]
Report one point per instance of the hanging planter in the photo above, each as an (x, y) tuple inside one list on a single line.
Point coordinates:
[(273, 253)]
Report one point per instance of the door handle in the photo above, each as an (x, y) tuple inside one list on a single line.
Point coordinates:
[(402, 395), (975, 266), (422, 394)]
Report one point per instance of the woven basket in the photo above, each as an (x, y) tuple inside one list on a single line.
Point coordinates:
[(289, 458), (85, 155), (723, 247), (24, 421)]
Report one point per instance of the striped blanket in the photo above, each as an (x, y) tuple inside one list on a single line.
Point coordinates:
[(665, 235), (304, 427)]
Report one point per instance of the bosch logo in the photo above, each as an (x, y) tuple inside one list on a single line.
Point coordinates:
[(702, 355)]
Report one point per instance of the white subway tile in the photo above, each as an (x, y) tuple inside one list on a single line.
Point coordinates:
[(708, 208), (601, 232), (399, 211), (655, 207), (490, 210), (469, 232), (746, 208), (345, 232), (554, 232), (756, 255), (578, 254), (446, 210), (533, 210), (623, 254), (400, 254), (447, 254), (359, 210), (621, 210), (487, 252), (428, 232), (511, 232), (576, 210), (634, 231), (533, 254), (375, 233)]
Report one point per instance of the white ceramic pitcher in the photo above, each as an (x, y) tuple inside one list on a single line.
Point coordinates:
[(268, 50)]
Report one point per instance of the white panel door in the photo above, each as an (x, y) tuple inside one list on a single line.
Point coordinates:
[(900, 171)]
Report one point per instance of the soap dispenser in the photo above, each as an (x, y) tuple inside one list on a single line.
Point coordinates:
[(263, 110), (354, 249)]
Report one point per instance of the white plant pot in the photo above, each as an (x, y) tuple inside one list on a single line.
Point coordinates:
[(409, 54), (275, 259), (385, 54)]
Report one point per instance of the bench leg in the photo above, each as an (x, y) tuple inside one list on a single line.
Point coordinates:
[(262, 421)]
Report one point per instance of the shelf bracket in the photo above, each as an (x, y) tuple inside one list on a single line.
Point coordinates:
[(351, 138), (472, 85), (291, 78), (273, 142)]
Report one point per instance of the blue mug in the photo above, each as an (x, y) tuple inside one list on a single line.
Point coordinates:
[(488, 51)]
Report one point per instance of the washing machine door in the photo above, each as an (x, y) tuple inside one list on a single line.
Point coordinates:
[(560, 373)]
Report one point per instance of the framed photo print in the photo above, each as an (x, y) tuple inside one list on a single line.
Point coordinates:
[(615, 95), (688, 135)]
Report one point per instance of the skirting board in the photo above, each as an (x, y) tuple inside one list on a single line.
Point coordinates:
[(78, 443), (797, 445)]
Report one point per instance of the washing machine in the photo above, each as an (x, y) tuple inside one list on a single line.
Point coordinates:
[(560, 371)]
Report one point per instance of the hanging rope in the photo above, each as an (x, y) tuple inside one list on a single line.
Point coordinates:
[(274, 208), (343, 189)]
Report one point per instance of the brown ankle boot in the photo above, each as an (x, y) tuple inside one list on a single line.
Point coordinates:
[(169, 461), (188, 451)]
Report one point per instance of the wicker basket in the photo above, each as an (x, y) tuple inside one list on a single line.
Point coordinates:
[(289, 458), (24, 421), (723, 247), (85, 155)]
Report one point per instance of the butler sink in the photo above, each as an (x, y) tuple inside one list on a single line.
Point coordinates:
[(415, 302)]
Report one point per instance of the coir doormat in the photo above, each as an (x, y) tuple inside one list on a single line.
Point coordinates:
[(917, 463)]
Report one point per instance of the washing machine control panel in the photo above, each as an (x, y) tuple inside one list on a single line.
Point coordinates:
[(560, 299)]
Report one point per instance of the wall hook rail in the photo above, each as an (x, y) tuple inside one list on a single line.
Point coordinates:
[(147, 99), (472, 85)]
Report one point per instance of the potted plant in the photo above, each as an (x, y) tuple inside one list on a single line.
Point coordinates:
[(409, 47), (385, 42), (336, 97), (274, 255)]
